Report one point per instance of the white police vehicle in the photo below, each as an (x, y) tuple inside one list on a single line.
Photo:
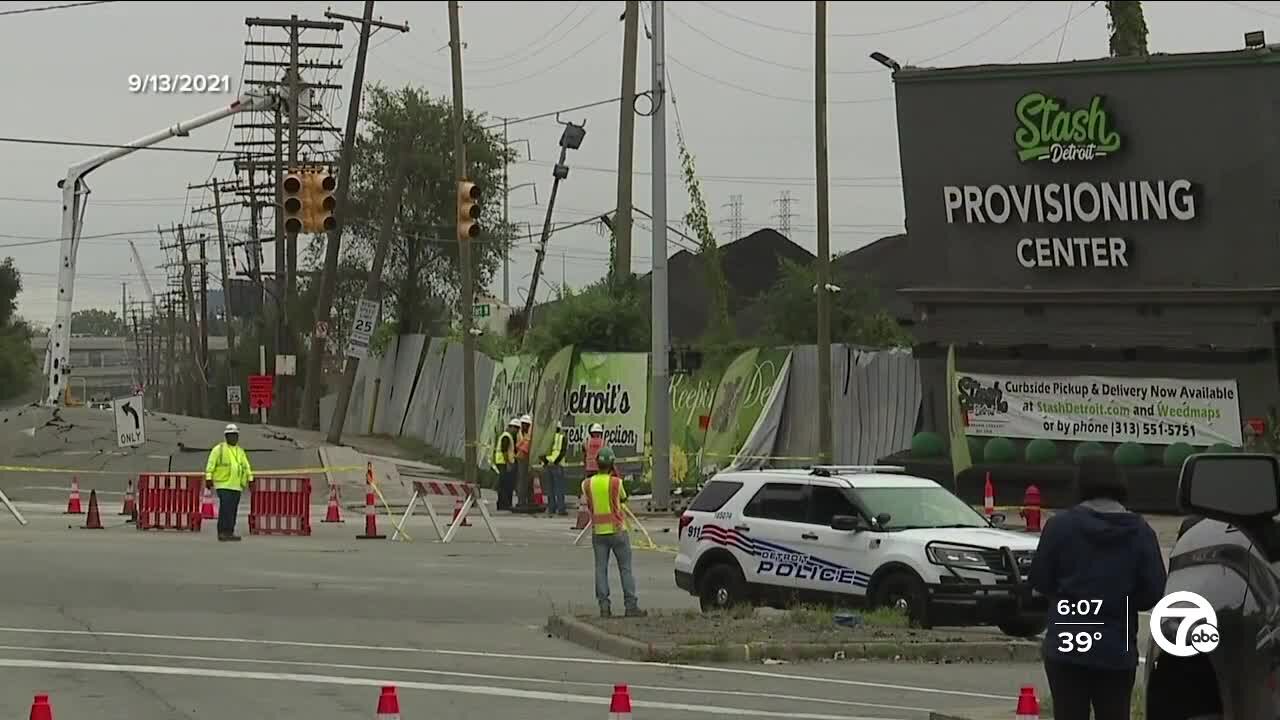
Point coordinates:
[(863, 536)]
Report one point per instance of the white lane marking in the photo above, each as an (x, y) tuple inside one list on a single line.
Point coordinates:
[(472, 675), (487, 690), (506, 656)]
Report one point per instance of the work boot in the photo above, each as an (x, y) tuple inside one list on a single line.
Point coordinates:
[(636, 613), (606, 611), (232, 538)]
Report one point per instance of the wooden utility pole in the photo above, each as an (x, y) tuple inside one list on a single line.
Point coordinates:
[(310, 409), (373, 286), (227, 307), (199, 385), (204, 308), (825, 449), (626, 142), (464, 257), (171, 357)]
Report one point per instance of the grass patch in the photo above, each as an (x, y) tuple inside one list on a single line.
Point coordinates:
[(454, 467), (821, 616)]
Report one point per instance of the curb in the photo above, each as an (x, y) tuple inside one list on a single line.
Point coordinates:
[(582, 633)]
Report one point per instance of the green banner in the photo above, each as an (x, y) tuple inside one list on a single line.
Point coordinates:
[(691, 400), (741, 396), (610, 389), (549, 403), (511, 395)]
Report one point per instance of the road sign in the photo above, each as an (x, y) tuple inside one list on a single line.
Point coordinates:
[(131, 429), (286, 365), (262, 391), (322, 330), (480, 311), (362, 328), (235, 409), (233, 395)]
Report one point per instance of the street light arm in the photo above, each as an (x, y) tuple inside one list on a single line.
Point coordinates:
[(74, 191)]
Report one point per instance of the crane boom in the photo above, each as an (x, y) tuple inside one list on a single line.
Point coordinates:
[(57, 367), (142, 274)]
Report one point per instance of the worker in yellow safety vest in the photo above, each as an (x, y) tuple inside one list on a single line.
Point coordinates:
[(504, 459), (553, 464), (228, 472), (604, 495)]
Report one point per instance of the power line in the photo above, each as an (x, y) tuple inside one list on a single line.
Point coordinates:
[(63, 6), (486, 67), (80, 143), (552, 113), (859, 101), (878, 33), (547, 69), (992, 28), (1063, 40), (152, 201), (748, 179), (1049, 34)]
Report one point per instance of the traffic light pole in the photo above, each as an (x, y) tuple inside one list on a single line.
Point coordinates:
[(825, 449), (464, 256), (661, 412)]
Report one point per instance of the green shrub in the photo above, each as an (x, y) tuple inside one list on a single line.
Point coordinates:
[(1221, 448), (1131, 454), (927, 445), (1087, 449), (1041, 451), (1175, 454), (1000, 450), (975, 446)]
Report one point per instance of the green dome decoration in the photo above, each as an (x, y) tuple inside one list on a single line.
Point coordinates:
[(1131, 454), (1175, 454), (1000, 450), (927, 445), (1221, 448), (1041, 451), (1087, 449), (975, 447)]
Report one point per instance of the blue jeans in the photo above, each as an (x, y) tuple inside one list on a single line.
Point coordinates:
[(620, 545), (228, 506), (555, 489)]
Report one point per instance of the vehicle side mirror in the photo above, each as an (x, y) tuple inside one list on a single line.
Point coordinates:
[(1230, 487), (998, 519), (883, 519), (847, 523)]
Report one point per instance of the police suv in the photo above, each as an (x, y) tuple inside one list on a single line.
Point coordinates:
[(856, 535)]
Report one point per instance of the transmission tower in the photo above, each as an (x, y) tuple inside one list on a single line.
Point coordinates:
[(784, 214), (735, 217)]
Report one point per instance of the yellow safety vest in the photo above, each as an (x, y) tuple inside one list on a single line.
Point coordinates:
[(228, 467), (604, 495), (499, 457), (557, 448)]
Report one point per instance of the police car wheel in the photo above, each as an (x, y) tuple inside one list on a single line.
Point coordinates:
[(1023, 627), (722, 587), (905, 591)]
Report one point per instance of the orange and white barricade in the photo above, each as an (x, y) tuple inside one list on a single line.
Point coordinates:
[(280, 506), (470, 495), (169, 501)]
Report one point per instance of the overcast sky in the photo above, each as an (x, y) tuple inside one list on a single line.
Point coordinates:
[(740, 74)]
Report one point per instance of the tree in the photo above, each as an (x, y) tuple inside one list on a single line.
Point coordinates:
[(10, 287), (719, 326), (791, 317), (17, 361), (423, 274), (600, 318), (101, 323), (1128, 28)]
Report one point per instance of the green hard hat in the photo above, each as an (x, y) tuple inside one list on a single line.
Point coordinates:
[(605, 457)]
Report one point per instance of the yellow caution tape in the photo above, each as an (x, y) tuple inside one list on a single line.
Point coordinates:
[(256, 473)]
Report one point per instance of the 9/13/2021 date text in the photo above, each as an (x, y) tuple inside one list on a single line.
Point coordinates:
[(178, 83)]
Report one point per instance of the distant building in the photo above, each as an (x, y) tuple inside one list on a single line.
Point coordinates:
[(105, 366)]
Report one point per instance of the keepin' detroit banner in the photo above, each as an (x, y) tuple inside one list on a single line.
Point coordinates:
[(1151, 411)]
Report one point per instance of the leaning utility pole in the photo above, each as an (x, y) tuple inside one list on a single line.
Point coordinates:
[(661, 399), (464, 257), (626, 142), (825, 449), (310, 409), (188, 299), (227, 307), (204, 312), (373, 286)]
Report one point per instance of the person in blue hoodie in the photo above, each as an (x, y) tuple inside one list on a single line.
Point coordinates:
[(1105, 563)]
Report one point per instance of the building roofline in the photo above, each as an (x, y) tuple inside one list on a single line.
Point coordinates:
[(1161, 61), (1092, 296)]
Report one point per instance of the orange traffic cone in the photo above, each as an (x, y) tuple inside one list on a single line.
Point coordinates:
[(94, 520), (1028, 705), (207, 511), (457, 508), (620, 703), (388, 704), (538, 498), (988, 498), (130, 505), (333, 514), (41, 709), (73, 501), (370, 519)]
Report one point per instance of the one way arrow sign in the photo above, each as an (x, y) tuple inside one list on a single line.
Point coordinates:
[(131, 430)]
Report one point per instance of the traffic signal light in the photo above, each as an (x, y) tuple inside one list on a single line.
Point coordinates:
[(468, 210), (318, 202), (328, 203), (292, 185)]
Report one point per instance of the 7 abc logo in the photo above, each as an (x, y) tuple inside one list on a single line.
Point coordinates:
[(1196, 626)]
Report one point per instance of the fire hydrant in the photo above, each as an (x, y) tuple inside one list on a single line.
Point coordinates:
[(1031, 508)]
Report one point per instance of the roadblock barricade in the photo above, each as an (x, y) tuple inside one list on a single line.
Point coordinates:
[(422, 492), (169, 501), (280, 506)]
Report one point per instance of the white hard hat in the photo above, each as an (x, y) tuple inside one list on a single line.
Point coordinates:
[(526, 419), (514, 422), (596, 428), (231, 430)]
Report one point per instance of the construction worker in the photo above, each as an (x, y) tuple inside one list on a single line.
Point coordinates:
[(504, 458), (605, 498), (524, 444), (595, 441), (553, 464), (228, 472)]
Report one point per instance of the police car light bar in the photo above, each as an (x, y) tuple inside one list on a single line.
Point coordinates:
[(854, 469)]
